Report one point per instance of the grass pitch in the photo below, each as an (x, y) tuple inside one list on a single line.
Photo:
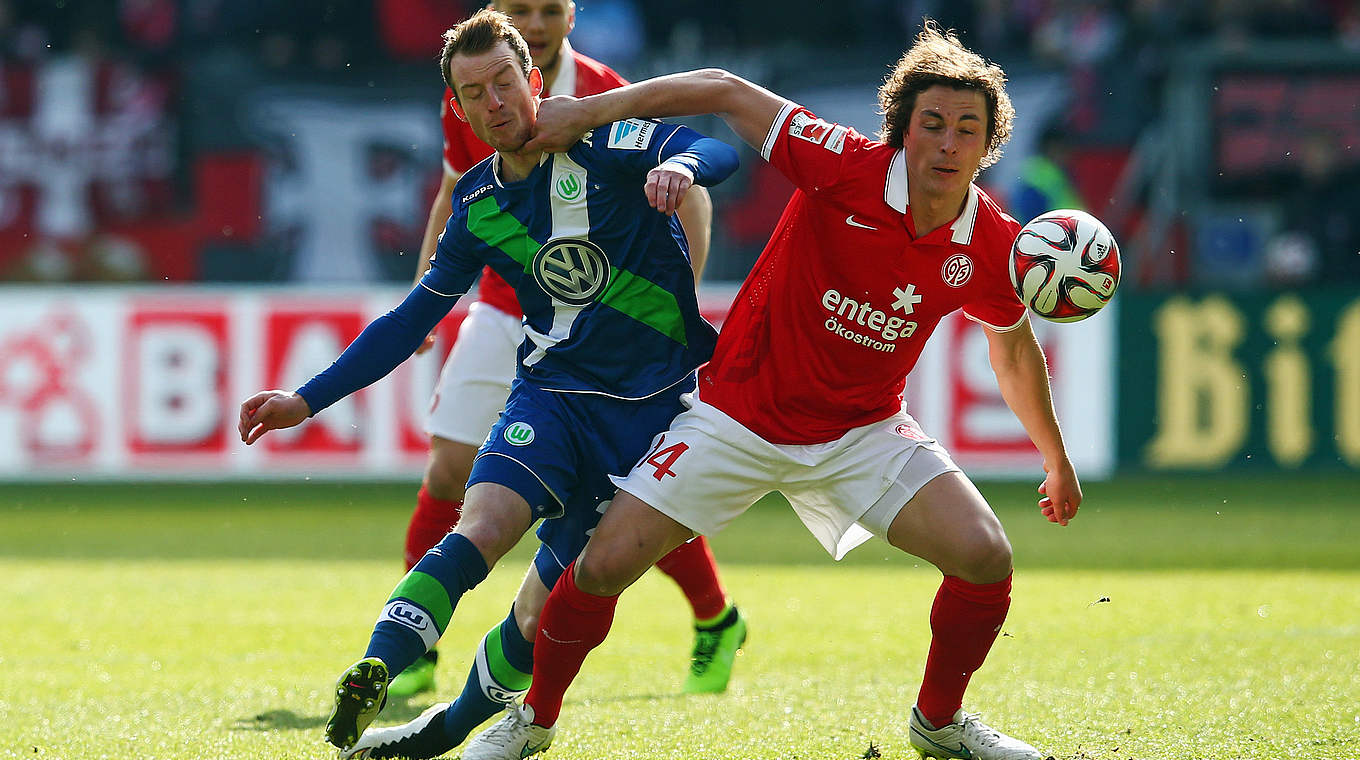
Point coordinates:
[(1180, 618)]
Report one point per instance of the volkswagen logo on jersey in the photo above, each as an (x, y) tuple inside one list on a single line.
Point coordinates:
[(572, 270)]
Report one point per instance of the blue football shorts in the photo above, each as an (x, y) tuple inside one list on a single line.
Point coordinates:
[(557, 451)]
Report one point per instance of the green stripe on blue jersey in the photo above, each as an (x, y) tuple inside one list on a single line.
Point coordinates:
[(629, 294)]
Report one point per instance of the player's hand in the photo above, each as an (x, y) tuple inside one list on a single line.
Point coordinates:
[(270, 410), (666, 186), (561, 121), (426, 344), (1061, 492)]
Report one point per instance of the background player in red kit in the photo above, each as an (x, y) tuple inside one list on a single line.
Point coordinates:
[(879, 242), (475, 380)]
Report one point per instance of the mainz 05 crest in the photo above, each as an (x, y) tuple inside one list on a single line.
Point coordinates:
[(572, 270)]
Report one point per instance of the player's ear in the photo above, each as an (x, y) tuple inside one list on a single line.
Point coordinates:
[(457, 109), (535, 82), (571, 17)]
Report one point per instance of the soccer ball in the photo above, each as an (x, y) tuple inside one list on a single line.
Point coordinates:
[(1064, 265)]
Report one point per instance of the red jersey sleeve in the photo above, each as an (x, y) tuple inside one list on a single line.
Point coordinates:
[(462, 149), (809, 151), (994, 302)]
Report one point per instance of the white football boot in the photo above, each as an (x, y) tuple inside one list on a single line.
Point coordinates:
[(511, 738), (967, 738), (387, 741)]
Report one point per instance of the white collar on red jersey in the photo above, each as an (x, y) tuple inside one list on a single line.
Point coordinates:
[(895, 195), (566, 75)]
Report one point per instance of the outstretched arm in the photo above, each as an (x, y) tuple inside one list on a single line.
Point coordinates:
[(385, 343), (1022, 372), (747, 108)]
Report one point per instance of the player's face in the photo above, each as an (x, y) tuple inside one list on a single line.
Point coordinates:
[(494, 97), (543, 23), (945, 141)]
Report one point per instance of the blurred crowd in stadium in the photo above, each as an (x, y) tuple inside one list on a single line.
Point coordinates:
[(178, 139)]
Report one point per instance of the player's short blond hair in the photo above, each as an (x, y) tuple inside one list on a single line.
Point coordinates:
[(938, 58), (479, 33)]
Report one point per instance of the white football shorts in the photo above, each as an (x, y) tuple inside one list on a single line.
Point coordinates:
[(475, 380), (707, 469)]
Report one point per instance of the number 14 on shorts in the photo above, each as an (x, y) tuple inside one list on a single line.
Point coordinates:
[(661, 457)]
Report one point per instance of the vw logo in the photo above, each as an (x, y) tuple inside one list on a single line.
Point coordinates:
[(572, 270)]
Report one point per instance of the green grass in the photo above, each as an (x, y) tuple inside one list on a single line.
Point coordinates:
[(160, 621)]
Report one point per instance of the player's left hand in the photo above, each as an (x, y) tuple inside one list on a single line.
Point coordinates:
[(666, 186), (1061, 492), (560, 122), (270, 410)]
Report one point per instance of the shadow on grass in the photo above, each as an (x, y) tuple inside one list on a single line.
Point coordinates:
[(278, 720), (398, 710)]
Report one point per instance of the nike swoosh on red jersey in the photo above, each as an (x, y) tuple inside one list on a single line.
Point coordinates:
[(850, 220)]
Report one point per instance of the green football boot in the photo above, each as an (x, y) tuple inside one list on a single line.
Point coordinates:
[(416, 679), (359, 694), (715, 648)]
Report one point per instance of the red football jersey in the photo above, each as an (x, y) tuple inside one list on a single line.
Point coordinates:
[(462, 149), (839, 305)]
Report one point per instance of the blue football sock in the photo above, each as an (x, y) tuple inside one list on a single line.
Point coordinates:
[(503, 667), (422, 604)]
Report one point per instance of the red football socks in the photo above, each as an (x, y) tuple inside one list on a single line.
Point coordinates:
[(573, 623), (691, 565), (964, 622), (431, 521)]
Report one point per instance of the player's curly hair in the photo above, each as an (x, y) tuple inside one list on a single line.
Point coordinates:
[(479, 33), (937, 57)]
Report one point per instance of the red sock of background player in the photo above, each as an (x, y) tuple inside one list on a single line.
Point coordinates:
[(572, 623), (691, 565), (964, 622), (431, 521)]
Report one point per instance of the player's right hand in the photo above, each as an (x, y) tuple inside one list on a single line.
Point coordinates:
[(560, 123), (426, 344), (270, 410)]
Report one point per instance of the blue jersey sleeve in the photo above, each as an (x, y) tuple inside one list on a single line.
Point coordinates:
[(637, 146), (384, 344)]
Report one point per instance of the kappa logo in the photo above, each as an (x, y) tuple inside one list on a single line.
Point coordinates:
[(957, 270), (572, 270), (519, 434), (475, 194), (632, 134), (569, 187)]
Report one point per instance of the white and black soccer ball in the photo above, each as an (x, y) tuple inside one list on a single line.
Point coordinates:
[(1064, 265)]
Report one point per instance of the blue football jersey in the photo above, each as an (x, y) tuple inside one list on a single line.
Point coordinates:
[(604, 279)]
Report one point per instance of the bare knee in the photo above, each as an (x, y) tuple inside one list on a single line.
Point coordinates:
[(985, 559), (448, 468), (527, 623), (600, 574), (494, 519)]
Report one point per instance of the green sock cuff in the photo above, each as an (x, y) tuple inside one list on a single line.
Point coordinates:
[(505, 674)]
